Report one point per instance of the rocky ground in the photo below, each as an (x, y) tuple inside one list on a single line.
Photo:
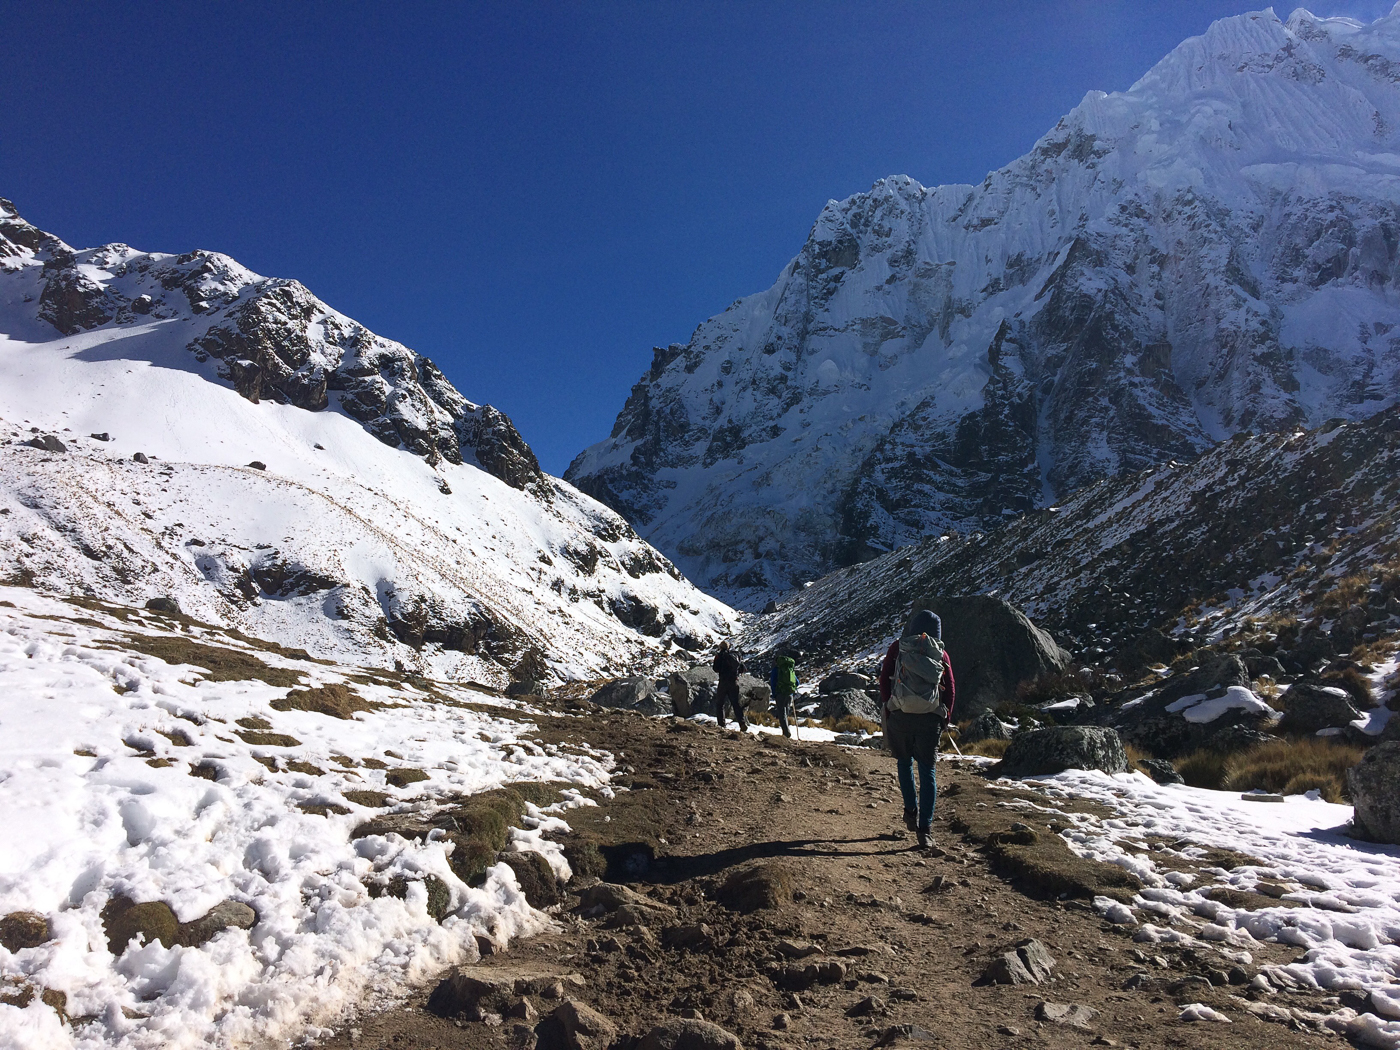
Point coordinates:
[(767, 887)]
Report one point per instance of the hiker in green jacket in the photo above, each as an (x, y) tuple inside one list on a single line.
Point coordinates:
[(782, 681)]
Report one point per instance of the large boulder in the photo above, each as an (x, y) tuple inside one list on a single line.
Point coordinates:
[(1057, 748), (693, 691), (1375, 793), (755, 693), (689, 1034), (841, 681), (632, 694), (986, 726), (1310, 706), (994, 648), (575, 1026), (848, 702)]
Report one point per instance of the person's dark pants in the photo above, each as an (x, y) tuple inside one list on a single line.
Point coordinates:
[(728, 693), (913, 739), (780, 705)]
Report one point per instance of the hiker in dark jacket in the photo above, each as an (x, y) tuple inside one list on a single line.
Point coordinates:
[(729, 668), (917, 690)]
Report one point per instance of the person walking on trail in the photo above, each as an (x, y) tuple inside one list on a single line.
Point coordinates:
[(729, 668), (782, 681), (917, 689)]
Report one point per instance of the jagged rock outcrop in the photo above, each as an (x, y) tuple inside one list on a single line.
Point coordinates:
[(1214, 251)]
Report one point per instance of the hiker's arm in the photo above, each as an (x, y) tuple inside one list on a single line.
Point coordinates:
[(952, 694), (887, 671)]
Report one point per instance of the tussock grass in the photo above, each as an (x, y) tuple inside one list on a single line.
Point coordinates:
[(1354, 682), (334, 700), (987, 748), (1283, 766), (1348, 591), (852, 724)]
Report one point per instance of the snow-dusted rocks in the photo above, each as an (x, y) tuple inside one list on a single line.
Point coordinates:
[(1310, 706), (269, 464), (1212, 251)]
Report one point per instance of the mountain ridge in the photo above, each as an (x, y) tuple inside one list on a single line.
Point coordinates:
[(177, 426), (1212, 251)]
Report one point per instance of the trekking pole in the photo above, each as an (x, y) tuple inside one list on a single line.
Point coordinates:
[(796, 732), (951, 730)]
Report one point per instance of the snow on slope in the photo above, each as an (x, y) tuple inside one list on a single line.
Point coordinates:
[(1215, 250), (395, 522), (127, 775), (1341, 905)]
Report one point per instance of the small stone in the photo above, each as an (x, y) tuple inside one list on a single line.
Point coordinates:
[(903, 1033), (486, 946), (1072, 1014), (258, 464), (689, 1035), (864, 1008), (48, 443), (524, 1010), (1028, 963), (104, 436), (575, 1026), (782, 1022), (227, 915), (139, 457)]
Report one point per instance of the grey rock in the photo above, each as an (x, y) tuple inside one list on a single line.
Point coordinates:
[(227, 915), (1075, 1015), (689, 1035), (529, 687), (104, 436), (574, 1026), (1375, 793), (693, 691), (1057, 748), (48, 443), (754, 693), (994, 647), (985, 726), (632, 694), (898, 1034), (605, 897), (848, 702), (1310, 706), (842, 681), (163, 604), (1027, 963), (258, 464), (140, 457), (472, 993), (1264, 666), (1162, 771), (770, 608)]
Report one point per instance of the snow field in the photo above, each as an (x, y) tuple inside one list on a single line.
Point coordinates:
[(92, 810), (1346, 893)]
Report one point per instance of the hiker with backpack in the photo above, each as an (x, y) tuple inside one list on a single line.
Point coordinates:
[(782, 681), (917, 690), (729, 667)]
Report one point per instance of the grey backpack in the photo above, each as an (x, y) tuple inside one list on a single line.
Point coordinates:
[(917, 675)]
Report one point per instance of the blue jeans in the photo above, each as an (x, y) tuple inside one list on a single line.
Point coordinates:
[(928, 790)]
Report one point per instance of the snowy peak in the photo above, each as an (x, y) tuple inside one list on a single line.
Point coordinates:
[(271, 340), (1215, 250)]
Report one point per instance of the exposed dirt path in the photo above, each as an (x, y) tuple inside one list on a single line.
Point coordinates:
[(912, 932)]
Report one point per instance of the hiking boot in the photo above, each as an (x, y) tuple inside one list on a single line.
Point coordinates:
[(743, 727), (911, 819), (925, 840)]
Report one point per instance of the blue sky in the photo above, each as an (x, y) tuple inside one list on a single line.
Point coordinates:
[(535, 194)]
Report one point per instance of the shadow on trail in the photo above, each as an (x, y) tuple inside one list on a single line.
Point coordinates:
[(635, 861)]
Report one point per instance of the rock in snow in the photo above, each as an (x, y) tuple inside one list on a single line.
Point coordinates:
[(1212, 251), (1375, 793)]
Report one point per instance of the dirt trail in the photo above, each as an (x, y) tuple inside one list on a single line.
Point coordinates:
[(814, 827)]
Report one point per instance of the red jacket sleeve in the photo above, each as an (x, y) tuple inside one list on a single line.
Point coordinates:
[(950, 688), (887, 671)]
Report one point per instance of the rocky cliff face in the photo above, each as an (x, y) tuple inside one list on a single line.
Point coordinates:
[(1214, 251), (178, 428), (272, 340)]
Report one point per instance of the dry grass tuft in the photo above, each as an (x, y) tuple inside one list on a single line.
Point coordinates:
[(1291, 767), (988, 748), (1349, 591), (1354, 682), (1203, 768), (334, 700)]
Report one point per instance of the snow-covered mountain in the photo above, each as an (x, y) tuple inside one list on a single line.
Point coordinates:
[(299, 478), (1215, 250)]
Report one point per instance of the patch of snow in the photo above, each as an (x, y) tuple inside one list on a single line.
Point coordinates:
[(1196, 708)]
